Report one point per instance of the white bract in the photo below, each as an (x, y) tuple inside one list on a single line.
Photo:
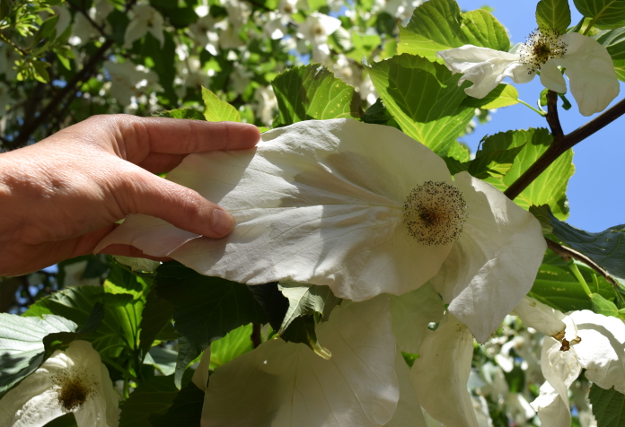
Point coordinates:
[(74, 380), (145, 19), (587, 63), (363, 209), (365, 383), (586, 340), (316, 29)]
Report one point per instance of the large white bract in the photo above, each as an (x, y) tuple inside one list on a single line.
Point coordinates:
[(587, 63), (323, 202), (74, 380)]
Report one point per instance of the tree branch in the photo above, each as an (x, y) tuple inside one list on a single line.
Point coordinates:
[(70, 88), (568, 253), (560, 145)]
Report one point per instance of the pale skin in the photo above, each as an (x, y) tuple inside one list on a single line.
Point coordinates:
[(61, 196)]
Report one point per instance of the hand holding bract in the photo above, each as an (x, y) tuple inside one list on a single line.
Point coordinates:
[(62, 195)]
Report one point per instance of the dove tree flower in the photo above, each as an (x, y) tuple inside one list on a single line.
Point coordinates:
[(74, 380), (581, 339), (317, 28), (361, 208), (587, 64), (145, 19)]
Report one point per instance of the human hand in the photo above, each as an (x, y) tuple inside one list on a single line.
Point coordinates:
[(61, 196)]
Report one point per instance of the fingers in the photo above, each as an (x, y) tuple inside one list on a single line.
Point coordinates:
[(180, 206), (175, 136)]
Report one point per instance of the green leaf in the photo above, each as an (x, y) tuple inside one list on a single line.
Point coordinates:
[(603, 306), (606, 248), (188, 352), (605, 14), (614, 42), (554, 15), (502, 96), (608, 406), (235, 343), (152, 396), (424, 98), (557, 286), (205, 308), (306, 300), (216, 110), (439, 25), (77, 304), (182, 113), (312, 92), (163, 358), (157, 315), (22, 349), (185, 410), (550, 186), (494, 163)]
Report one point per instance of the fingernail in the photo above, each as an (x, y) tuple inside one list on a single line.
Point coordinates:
[(222, 222)]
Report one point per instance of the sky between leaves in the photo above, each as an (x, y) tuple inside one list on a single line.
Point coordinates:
[(595, 190)]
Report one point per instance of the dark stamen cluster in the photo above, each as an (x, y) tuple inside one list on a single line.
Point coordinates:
[(73, 389), (541, 46), (435, 213)]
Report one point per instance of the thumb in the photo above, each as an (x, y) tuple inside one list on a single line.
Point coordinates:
[(180, 206)]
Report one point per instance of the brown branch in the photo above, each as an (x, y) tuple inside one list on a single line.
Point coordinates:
[(70, 89), (552, 116), (568, 253), (561, 145)]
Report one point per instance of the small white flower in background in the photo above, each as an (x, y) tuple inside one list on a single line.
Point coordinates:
[(83, 30), (587, 64), (204, 33), (128, 80), (144, 19), (583, 339), (238, 13), (266, 105), (241, 78), (74, 380), (316, 29), (363, 209), (401, 9)]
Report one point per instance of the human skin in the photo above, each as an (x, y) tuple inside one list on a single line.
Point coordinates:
[(59, 197)]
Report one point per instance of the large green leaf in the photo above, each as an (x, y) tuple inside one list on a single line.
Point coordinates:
[(152, 396), (312, 92), (216, 110), (608, 406), (77, 305), (557, 286), (205, 308), (606, 248), (22, 349), (185, 410), (604, 14), (553, 14), (157, 315), (439, 25), (550, 186), (503, 95), (235, 343), (424, 98), (614, 42)]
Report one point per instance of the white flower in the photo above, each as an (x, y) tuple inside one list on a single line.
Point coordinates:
[(364, 383), (587, 63), (316, 29), (266, 104), (145, 19), (587, 340), (361, 208), (204, 33), (128, 80), (74, 380)]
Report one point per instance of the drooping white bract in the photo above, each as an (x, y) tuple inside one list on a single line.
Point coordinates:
[(145, 19), (365, 383), (361, 208), (587, 340), (587, 63), (316, 29), (74, 380)]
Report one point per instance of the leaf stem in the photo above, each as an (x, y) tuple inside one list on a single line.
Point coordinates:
[(561, 145), (567, 253), (542, 113), (580, 278)]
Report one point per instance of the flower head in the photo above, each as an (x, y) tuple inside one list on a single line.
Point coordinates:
[(587, 63), (74, 380), (322, 202)]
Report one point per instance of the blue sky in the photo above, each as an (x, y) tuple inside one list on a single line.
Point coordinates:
[(595, 197)]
